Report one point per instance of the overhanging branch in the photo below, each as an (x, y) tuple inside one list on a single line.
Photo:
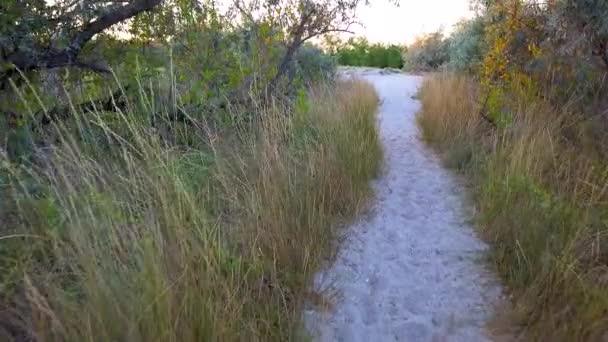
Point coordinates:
[(104, 22), (42, 57)]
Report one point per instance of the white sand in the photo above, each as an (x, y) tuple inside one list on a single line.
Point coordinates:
[(411, 269)]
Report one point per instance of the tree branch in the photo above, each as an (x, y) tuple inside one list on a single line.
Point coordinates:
[(49, 58), (105, 21), (307, 38)]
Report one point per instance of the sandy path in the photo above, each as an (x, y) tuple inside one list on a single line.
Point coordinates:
[(411, 269)]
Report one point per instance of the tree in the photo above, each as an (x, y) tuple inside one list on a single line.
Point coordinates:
[(302, 20), (43, 35), (466, 45), (428, 52), (580, 22)]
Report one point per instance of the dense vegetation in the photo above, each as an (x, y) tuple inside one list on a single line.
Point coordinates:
[(359, 52), (172, 170), (526, 121), (462, 50)]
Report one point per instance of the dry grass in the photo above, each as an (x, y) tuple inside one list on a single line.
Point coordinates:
[(540, 187), (151, 243)]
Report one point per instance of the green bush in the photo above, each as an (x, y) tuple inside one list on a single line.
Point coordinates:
[(312, 64), (428, 52), (358, 52), (466, 45), (462, 51)]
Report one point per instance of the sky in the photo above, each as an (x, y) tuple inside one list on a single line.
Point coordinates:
[(384, 22)]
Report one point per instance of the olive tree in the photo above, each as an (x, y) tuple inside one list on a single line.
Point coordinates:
[(40, 34)]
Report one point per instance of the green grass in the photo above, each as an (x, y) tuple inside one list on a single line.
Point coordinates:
[(128, 238), (541, 201)]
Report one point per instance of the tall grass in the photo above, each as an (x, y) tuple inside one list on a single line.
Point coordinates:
[(138, 240), (540, 186)]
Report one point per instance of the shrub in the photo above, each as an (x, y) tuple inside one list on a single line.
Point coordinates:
[(428, 52), (466, 46), (313, 65), (360, 53)]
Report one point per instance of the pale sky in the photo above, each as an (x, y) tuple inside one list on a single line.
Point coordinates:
[(387, 23)]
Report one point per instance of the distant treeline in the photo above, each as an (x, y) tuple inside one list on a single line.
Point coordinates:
[(359, 52), (460, 50)]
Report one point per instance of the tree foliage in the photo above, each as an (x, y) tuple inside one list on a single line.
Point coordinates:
[(47, 35), (554, 47), (466, 46), (192, 53), (428, 52), (359, 52), (556, 50)]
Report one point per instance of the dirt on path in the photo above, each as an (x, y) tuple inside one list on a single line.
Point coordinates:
[(412, 268)]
